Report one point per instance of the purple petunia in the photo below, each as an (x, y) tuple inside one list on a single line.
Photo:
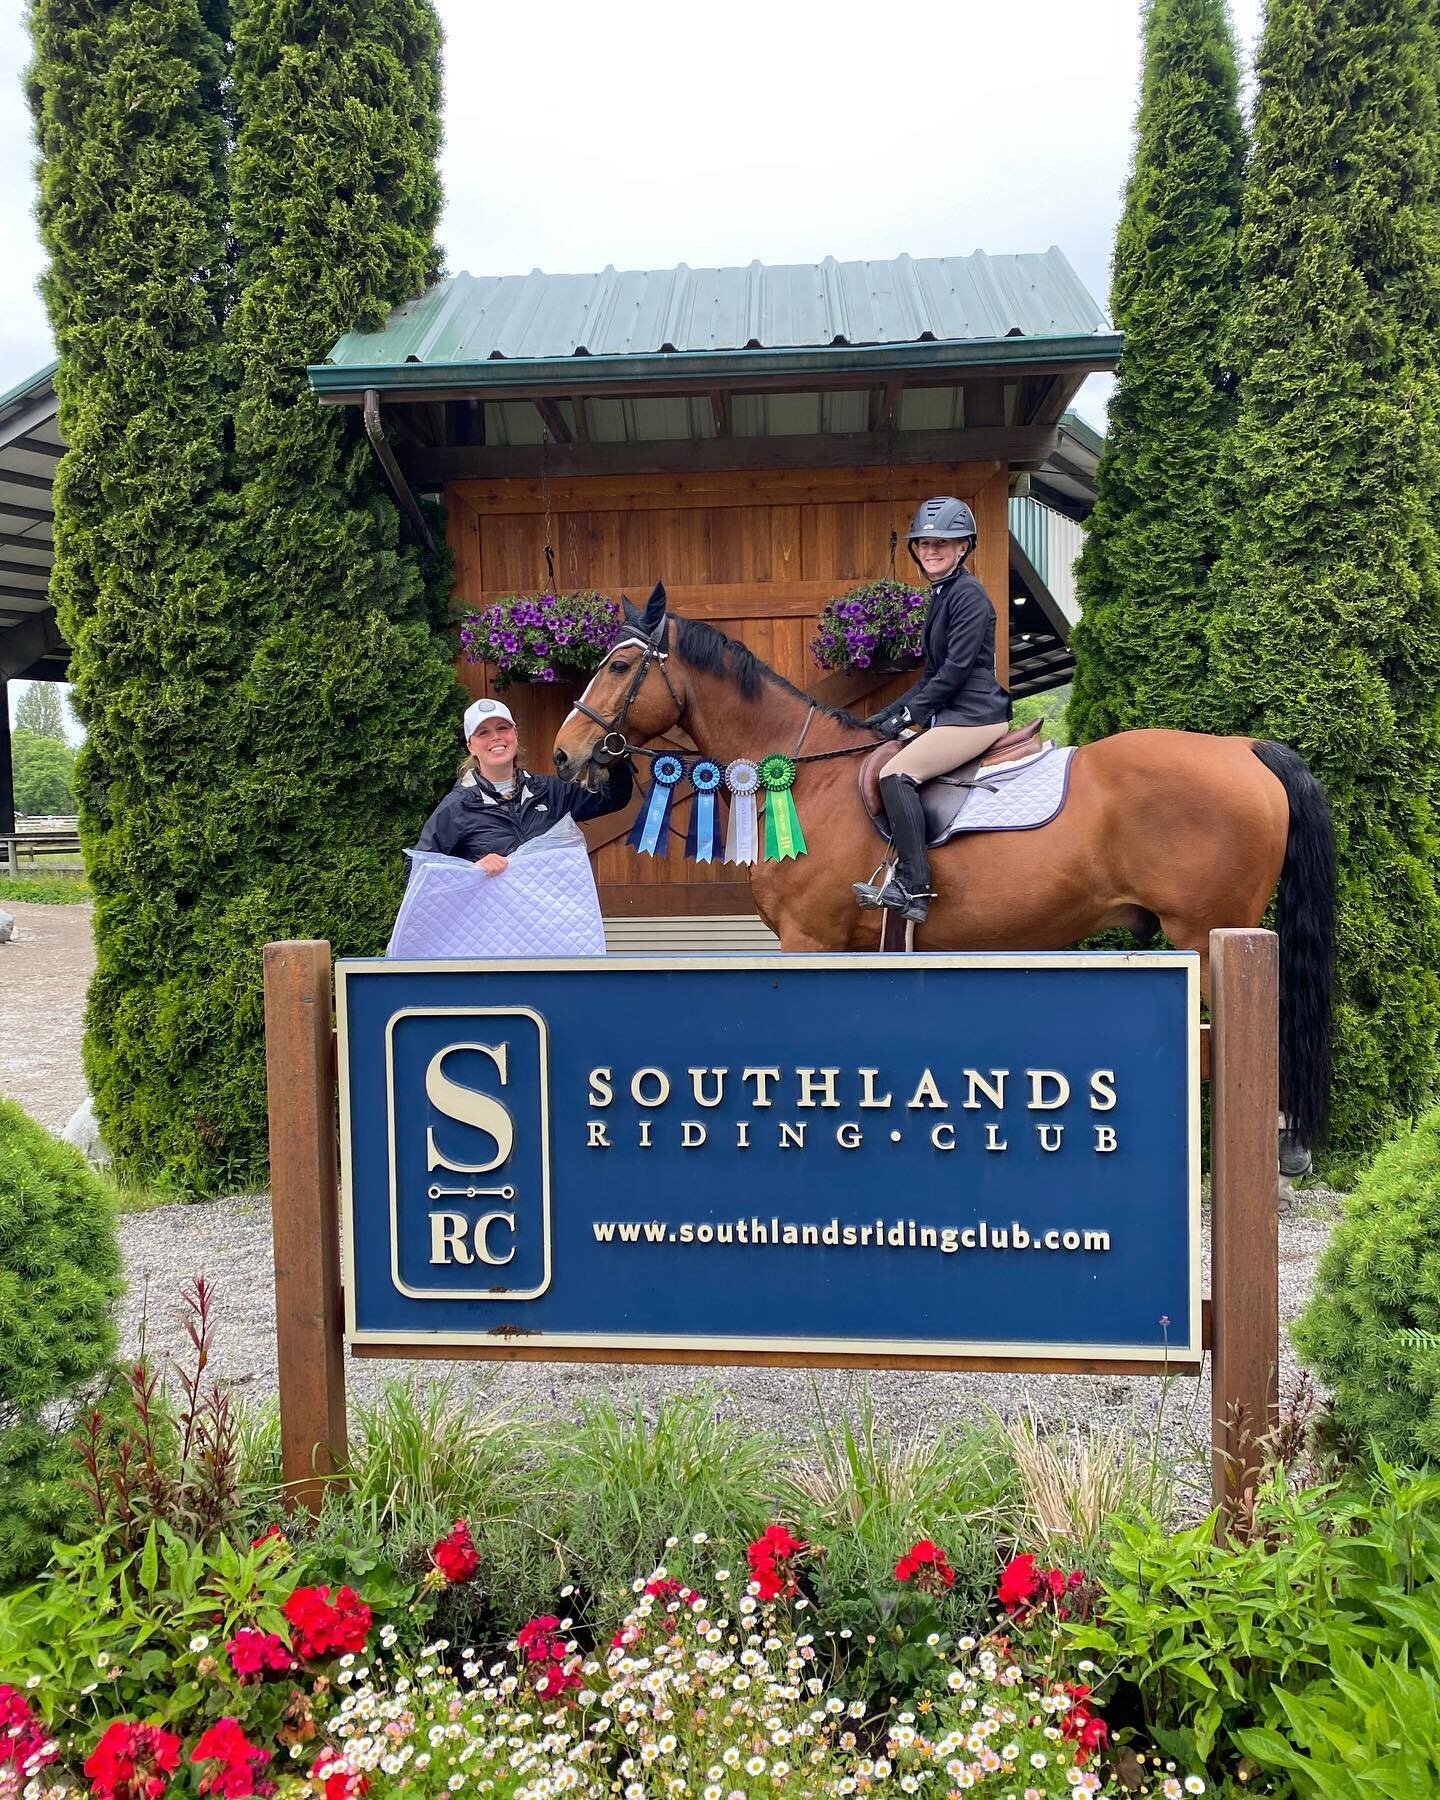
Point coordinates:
[(878, 621), (542, 637)]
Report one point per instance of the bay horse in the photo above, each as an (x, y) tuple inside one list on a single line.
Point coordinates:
[(1161, 830)]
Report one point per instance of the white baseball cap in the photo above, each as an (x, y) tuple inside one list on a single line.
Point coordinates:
[(480, 710)]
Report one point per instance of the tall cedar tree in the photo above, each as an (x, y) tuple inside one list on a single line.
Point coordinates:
[(1327, 599), (1157, 528), (127, 104), (342, 730)]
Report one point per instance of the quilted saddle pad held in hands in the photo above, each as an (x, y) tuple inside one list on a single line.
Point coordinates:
[(544, 904)]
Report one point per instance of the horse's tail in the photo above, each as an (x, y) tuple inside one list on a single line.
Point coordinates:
[(1305, 921)]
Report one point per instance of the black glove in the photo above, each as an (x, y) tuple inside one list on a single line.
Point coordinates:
[(891, 722)]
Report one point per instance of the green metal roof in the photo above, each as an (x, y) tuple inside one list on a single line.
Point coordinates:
[(657, 324)]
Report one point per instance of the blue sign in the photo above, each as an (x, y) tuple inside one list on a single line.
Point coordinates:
[(862, 1156)]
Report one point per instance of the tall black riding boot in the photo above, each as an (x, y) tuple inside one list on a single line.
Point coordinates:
[(909, 892)]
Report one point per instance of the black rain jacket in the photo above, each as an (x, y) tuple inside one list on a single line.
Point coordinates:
[(475, 820), (958, 686)]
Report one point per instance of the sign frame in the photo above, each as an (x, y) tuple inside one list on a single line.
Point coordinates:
[(707, 1349), (1238, 1053)]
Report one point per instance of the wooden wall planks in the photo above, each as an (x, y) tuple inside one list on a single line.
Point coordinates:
[(757, 553)]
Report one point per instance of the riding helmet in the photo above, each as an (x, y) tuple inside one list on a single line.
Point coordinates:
[(943, 517)]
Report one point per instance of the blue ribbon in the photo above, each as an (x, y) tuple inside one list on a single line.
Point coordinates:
[(702, 839), (649, 834)]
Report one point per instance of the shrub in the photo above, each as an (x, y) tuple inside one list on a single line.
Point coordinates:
[(59, 1274), (1327, 595), (130, 123), (1372, 1329), (1157, 527), (1209, 1635)]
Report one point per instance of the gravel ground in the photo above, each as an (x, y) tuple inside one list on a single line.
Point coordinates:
[(44, 971), (43, 974), (230, 1242)]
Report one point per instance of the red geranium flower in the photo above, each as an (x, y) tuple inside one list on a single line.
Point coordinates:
[(1018, 1583), (24, 1740), (270, 1531), (1084, 1728), (927, 1565), (455, 1556), (540, 1642), (335, 1775), (771, 1559), (321, 1627), (258, 1654), (232, 1755), (131, 1761), (1025, 1590)]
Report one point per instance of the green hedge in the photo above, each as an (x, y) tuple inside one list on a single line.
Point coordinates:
[(129, 111), (1327, 599), (260, 649), (1372, 1329), (59, 1275), (1140, 646)]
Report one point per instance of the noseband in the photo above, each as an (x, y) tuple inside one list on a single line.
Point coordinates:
[(613, 743)]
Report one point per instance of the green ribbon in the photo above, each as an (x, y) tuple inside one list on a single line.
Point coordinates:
[(783, 836)]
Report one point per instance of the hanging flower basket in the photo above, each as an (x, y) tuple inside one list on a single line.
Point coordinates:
[(875, 626), (542, 637)]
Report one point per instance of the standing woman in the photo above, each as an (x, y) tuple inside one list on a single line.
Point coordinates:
[(496, 805), (959, 706)]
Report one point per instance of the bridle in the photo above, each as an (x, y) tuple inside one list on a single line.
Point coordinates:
[(614, 744)]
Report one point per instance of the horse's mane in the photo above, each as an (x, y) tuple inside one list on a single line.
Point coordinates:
[(713, 653)]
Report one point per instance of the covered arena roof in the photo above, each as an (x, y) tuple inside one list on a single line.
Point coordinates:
[(31, 647)]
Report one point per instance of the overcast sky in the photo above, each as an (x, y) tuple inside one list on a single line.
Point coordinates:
[(645, 134)]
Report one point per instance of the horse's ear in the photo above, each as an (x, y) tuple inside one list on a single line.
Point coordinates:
[(654, 608), (632, 617)]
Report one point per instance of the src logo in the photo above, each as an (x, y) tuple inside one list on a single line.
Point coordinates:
[(453, 1236), (470, 1165)]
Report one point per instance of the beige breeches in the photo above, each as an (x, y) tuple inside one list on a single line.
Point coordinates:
[(942, 748)]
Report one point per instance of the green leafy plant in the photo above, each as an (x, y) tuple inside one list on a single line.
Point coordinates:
[(620, 1483), (1372, 1329), (45, 889), (173, 1456), (59, 1277), (1368, 1731)]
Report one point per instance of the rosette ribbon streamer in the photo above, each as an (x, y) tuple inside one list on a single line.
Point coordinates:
[(650, 834), (702, 840), (783, 836), (741, 840)]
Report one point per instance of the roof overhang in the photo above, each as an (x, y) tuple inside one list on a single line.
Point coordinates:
[(31, 647), (701, 371)]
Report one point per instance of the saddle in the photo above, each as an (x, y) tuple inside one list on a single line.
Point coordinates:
[(944, 796)]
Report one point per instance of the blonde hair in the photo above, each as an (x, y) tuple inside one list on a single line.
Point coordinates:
[(470, 767)]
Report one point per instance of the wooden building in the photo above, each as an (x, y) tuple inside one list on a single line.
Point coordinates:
[(753, 437)]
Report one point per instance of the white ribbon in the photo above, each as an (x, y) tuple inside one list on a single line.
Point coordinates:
[(742, 834)]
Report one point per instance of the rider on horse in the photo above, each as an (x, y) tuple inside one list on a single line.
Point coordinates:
[(957, 698)]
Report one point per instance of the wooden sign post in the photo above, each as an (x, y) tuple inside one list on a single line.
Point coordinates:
[(1244, 1211), (1242, 1317)]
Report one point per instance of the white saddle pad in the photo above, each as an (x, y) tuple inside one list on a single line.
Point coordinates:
[(544, 904), (1014, 796)]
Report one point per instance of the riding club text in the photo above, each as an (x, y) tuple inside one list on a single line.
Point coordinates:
[(650, 1106)]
